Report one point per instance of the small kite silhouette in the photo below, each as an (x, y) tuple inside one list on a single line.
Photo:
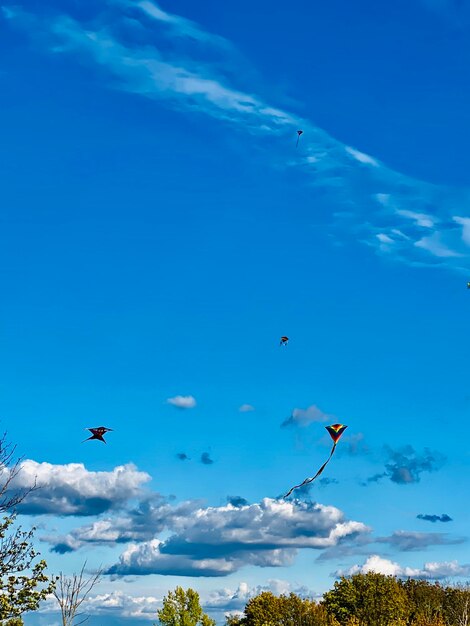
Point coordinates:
[(284, 341), (335, 431), (299, 132), (97, 433)]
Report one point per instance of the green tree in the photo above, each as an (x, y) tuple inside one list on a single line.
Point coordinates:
[(368, 600), (183, 608), (425, 602), (457, 605), (23, 583), (266, 609), (262, 610)]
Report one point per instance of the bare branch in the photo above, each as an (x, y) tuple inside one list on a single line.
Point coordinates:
[(72, 591), (9, 469)]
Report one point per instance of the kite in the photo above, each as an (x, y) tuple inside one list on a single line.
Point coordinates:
[(299, 132), (468, 285), (97, 433), (335, 431), (284, 341)]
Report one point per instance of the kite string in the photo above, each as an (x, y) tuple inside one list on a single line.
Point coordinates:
[(309, 480)]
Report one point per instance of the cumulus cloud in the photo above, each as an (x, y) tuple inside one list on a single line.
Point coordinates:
[(182, 402), (434, 518), (116, 603), (430, 571), (231, 600), (71, 489), (304, 417), (150, 517), (217, 541), (405, 465)]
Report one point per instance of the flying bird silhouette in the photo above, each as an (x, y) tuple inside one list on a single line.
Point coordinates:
[(97, 433)]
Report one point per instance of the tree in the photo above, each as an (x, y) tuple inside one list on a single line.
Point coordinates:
[(457, 605), (425, 601), (182, 608), (9, 469), (23, 584), (20, 582), (70, 593), (266, 609), (369, 600)]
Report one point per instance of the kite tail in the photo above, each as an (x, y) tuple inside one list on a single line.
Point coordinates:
[(296, 145), (310, 480)]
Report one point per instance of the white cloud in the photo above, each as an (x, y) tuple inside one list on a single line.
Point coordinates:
[(361, 156), (431, 571), (465, 223), (230, 600), (183, 402), (158, 14), (434, 245), (116, 603), (305, 417), (71, 489), (216, 541), (180, 26), (245, 408), (421, 219), (383, 238), (171, 63)]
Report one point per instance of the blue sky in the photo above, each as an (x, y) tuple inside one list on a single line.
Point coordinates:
[(160, 231)]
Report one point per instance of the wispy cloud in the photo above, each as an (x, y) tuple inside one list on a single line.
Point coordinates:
[(182, 402), (405, 465), (246, 408), (407, 541), (178, 25), (176, 61)]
